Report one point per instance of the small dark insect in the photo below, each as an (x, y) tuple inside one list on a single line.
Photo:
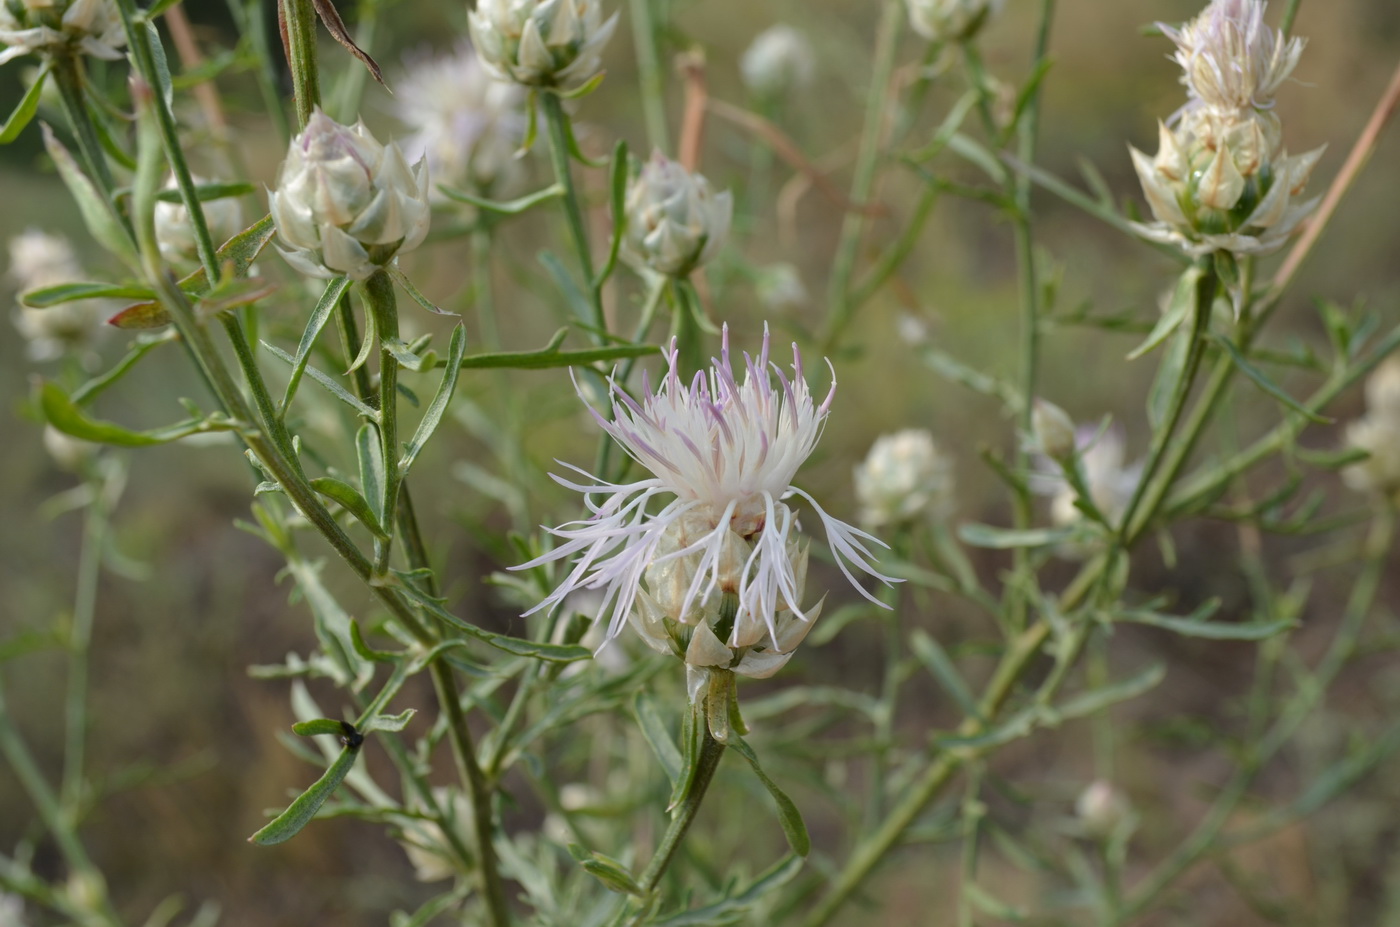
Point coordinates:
[(351, 738)]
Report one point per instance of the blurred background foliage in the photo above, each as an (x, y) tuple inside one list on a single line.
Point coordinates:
[(183, 736)]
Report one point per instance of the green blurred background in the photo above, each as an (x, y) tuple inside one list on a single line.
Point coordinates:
[(183, 737)]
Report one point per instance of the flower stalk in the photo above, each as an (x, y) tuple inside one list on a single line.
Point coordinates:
[(560, 147)]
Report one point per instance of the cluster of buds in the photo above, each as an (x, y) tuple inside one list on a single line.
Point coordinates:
[(904, 477), (39, 260), (674, 223), (716, 576), (549, 44), (175, 229), (950, 20), (1378, 434), (346, 204), (779, 62), (92, 27), (1222, 180), (466, 123)]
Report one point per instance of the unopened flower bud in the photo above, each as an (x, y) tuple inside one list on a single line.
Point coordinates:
[(1102, 809), (175, 229), (1053, 429), (949, 20), (674, 223), (779, 61), (1378, 434), (93, 27), (346, 204), (904, 477), (554, 44)]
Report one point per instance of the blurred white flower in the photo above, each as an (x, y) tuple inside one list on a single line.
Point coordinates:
[(554, 44), (466, 123), (175, 230), (674, 223), (1110, 482), (950, 20), (1221, 179), (1102, 809), (780, 61), (780, 289), (69, 453), (904, 477), (346, 204), (36, 26), (1378, 434), (716, 575), (38, 260)]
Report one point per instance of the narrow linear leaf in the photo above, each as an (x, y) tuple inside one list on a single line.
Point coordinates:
[(44, 297), (788, 816), (99, 215), (94, 387), (617, 185), (1262, 381), (1198, 624), (979, 535), (300, 812), (578, 303), (330, 17), (209, 191), (935, 659), (371, 460), (314, 325), (23, 114), (349, 498), (402, 280), (732, 910), (1088, 703), (392, 723), (433, 416), (1182, 302), (327, 381), (611, 872), (554, 653), (657, 735), (510, 207), (366, 652), (551, 357), (1169, 373), (64, 415), (318, 726)]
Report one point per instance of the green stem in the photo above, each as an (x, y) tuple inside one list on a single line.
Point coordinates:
[(138, 40), (46, 803), (68, 75), (379, 299), (870, 851), (690, 339), (649, 76), (298, 18), (711, 751), (79, 646), (484, 299), (853, 226), (251, 17), (559, 154)]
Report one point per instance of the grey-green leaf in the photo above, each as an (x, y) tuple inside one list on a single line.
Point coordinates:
[(788, 816), (433, 416), (300, 812)]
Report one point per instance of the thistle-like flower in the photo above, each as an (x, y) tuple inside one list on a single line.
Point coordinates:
[(674, 222), (716, 575), (1221, 179), (551, 44), (346, 204), (93, 27), (780, 61), (950, 20), (904, 477), (175, 229), (1378, 434), (38, 260), (467, 124)]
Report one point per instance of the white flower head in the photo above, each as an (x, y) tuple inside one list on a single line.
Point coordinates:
[(780, 61), (1378, 434), (346, 204), (716, 574), (38, 260), (1102, 809), (950, 20), (674, 222), (93, 27), (1221, 179), (175, 229), (904, 477), (555, 44), (465, 122), (1231, 60)]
